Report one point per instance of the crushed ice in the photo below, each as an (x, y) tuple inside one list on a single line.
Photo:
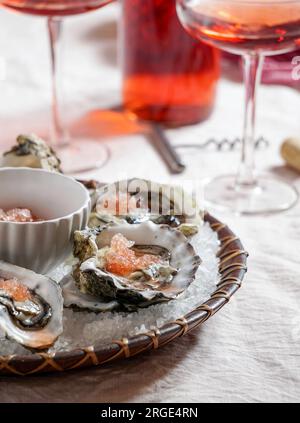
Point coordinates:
[(83, 328)]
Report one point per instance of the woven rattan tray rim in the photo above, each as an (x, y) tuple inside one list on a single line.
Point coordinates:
[(232, 268)]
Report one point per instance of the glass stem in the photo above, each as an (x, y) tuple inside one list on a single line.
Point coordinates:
[(252, 74), (58, 132)]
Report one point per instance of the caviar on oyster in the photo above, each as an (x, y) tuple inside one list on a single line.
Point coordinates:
[(142, 266), (27, 309), (134, 264), (32, 151), (137, 200), (30, 307)]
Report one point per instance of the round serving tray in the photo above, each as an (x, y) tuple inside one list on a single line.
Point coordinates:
[(232, 267)]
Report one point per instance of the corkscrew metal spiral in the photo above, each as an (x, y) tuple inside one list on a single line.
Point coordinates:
[(225, 144)]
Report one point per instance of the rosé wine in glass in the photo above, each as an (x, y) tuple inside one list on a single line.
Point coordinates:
[(252, 29), (54, 7)]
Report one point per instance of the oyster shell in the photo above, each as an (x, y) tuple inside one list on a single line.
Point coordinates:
[(73, 298), (30, 307), (32, 151), (138, 200), (162, 281)]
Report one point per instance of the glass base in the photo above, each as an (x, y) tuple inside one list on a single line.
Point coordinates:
[(269, 195), (82, 156)]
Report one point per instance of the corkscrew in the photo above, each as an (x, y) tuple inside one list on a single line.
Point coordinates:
[(173, 160), (225, 144)]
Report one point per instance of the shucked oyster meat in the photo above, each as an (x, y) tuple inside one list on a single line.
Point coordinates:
[(30, 307), (32, 151), (136, 265), (138, 200)]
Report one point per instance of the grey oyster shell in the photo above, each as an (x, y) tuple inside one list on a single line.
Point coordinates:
[(160, 205), (35, 324), (32, 151), (92, 279), (73, 298)]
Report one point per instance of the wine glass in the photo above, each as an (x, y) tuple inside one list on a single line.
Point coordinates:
[(77, 155), (252, 29)]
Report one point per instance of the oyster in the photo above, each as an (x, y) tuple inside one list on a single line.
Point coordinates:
[(137, 200), (32, 151), (30, 307), (134, 264), (73, 298)]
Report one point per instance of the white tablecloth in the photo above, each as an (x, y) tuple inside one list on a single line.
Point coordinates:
[(250, 351)]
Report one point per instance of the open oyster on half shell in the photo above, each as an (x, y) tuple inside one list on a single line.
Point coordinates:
[(137, 200), (74, 298), (32, 151), (31, 307), (135, 265)]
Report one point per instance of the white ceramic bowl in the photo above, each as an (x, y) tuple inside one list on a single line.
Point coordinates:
[(60, 200)]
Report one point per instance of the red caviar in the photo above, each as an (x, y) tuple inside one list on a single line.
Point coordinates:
[(122, 260), (15, 289), (20, 215)]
